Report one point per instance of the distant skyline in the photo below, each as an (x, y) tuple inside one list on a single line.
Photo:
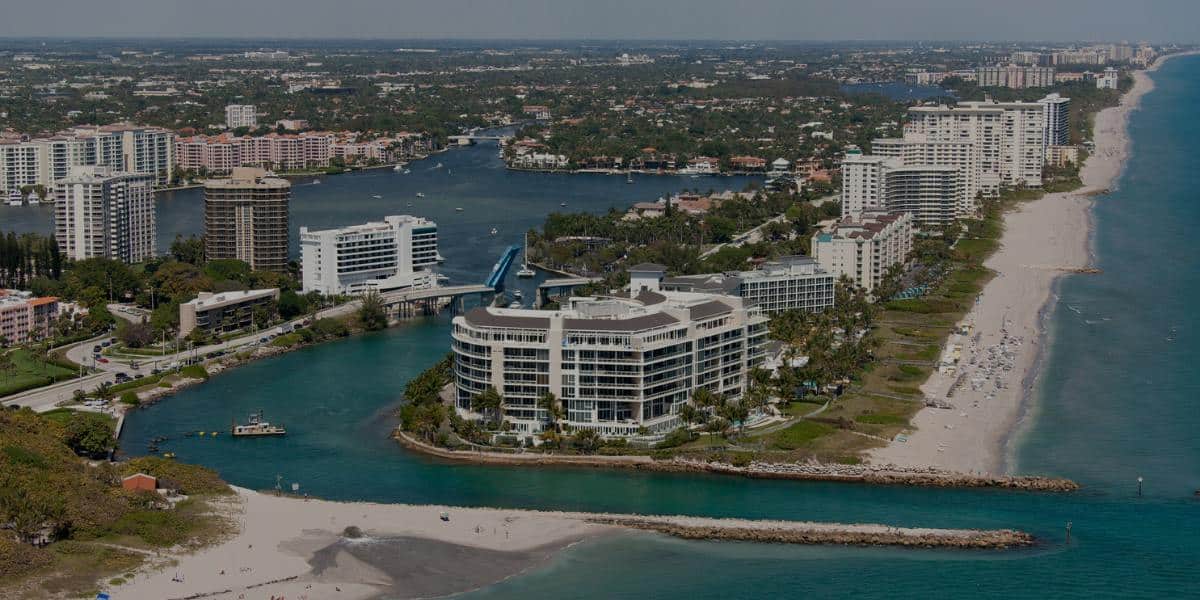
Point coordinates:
[(1167, 21)]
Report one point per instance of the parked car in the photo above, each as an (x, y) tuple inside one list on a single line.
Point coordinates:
[(96, 349), (102, 359), (106, 343)]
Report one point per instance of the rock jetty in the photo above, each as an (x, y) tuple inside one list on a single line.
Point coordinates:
[(794, 532)]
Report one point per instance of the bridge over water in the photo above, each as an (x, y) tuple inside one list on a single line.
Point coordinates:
[(428, 301)]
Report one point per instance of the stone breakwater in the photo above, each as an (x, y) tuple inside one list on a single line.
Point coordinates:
[(892, 475), (786, 532), (809, 471)]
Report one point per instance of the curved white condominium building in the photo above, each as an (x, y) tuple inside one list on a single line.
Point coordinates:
[(617, 364)]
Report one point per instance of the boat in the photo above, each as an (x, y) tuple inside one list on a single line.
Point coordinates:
[(562, 203), (438, 166), (406, 171), (169, 455), (256, 427), (420, 194), (442, 278), (14, 198), (458, 209), (377, 196), (494, 231), (517, 295), (316, 182), (32, 199), (629, 177), (515, 304), (399, 169), (525, 270)]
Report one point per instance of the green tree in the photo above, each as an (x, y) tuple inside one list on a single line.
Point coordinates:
[(291, 304), (554, 410), (489, 401), (586, 441), (188, 250), (135, 335), (89, 434), (371, 313)]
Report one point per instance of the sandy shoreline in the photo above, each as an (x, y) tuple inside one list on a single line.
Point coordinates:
[(1042, 241), (296, 549)]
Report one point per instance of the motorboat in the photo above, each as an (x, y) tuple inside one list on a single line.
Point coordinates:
[(377, 196), (257, 427), (420, 194), (458, 209), (495, 231), (14, 198)]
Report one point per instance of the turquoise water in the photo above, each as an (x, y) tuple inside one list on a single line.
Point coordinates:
[(1116, 400)]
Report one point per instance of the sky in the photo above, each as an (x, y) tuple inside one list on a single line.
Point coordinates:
[(793, 20)]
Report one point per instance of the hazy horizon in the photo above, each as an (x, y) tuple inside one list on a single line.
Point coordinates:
[(1161, 21)]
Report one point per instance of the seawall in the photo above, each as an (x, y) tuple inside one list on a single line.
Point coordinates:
[(870, 474)]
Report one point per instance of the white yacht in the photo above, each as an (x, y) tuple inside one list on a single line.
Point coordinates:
[(32, 199), (14, 198)]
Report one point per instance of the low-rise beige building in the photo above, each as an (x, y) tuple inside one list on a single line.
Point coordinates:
[(224, 312)]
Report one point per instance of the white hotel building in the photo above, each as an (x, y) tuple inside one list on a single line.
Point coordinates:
[(932, 194), (398, 252), (121, 146), (790, 283), (947, 159), (240, 115), (103, 213), (863, 247), (619, 365)]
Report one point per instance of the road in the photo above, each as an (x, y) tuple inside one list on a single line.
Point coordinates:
[(47, 398)]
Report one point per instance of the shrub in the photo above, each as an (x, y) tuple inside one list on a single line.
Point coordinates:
[(194, 372), (130, 398), (677, 437)]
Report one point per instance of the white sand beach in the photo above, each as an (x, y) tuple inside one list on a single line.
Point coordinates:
[(294, 549), (277, 536), (1042, 240)]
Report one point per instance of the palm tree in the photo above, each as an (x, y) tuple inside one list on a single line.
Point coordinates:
[(554, 410), (689, 414), (372, 313), (702, 397), (489, 401), (7, 366)]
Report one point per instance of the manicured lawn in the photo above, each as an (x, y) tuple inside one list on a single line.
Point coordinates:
[(799, 435), (28, 372)]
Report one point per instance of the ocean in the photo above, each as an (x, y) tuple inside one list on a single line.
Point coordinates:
[(1116, 401)]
